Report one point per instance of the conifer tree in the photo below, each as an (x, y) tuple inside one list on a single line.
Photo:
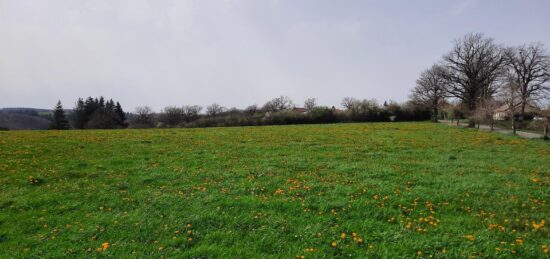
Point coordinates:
[(78, 116), (60, 121), (120, 115)]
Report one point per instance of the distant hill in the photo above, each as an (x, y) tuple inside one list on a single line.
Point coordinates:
[(18, 121), (24, 110), (18, 118)]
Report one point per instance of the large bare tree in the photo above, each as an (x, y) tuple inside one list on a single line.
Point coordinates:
[(431, 89), (530, 65), (474, 66)]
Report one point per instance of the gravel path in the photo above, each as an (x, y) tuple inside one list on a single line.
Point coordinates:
[(522, 134)]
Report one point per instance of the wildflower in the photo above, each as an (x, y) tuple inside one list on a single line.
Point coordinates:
[(470, 237), (519, 241), (334, 244), (279, 192), (537, 226), (544, 249), (105, 246), (343, 235)]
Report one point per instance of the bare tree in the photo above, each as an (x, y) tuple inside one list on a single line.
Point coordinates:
[(251, 109), (531, 67), (143, 118), (310, 104), (485, 113), (214, 109), (191, 112), (350, 103), (280, 103), (509, 96), (545, 113), (171, 116), (431, 89), (473, 68)]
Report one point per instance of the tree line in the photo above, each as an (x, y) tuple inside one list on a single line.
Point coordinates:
[(474, 79), (96, 113), (277, 111)]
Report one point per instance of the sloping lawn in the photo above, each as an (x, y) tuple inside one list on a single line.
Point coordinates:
[(345, 190)]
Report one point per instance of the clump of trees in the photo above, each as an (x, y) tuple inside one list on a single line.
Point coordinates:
[(97, 113), (484, 76)]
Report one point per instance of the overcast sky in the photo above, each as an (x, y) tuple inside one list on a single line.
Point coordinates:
[(239, 52)]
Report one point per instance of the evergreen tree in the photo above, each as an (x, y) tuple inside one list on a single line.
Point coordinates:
[(120, 115), (79, 117), (59, 119), (101, 103)]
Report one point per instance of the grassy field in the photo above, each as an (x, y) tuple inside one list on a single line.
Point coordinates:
[(345, 190)]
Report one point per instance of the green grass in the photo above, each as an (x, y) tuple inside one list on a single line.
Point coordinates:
[(402, 189)]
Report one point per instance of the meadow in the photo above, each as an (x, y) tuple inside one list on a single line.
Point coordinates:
[(309, 191)]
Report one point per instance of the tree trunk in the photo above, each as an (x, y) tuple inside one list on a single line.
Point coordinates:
[(545, 137), (434, 114), (522, 112), (514, 126), (457, 122), (472, 109), (492, 126)]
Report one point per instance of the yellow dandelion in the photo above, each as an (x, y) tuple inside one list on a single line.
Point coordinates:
[(334, 244), (470, 237), (519, 241), (538, 226)]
